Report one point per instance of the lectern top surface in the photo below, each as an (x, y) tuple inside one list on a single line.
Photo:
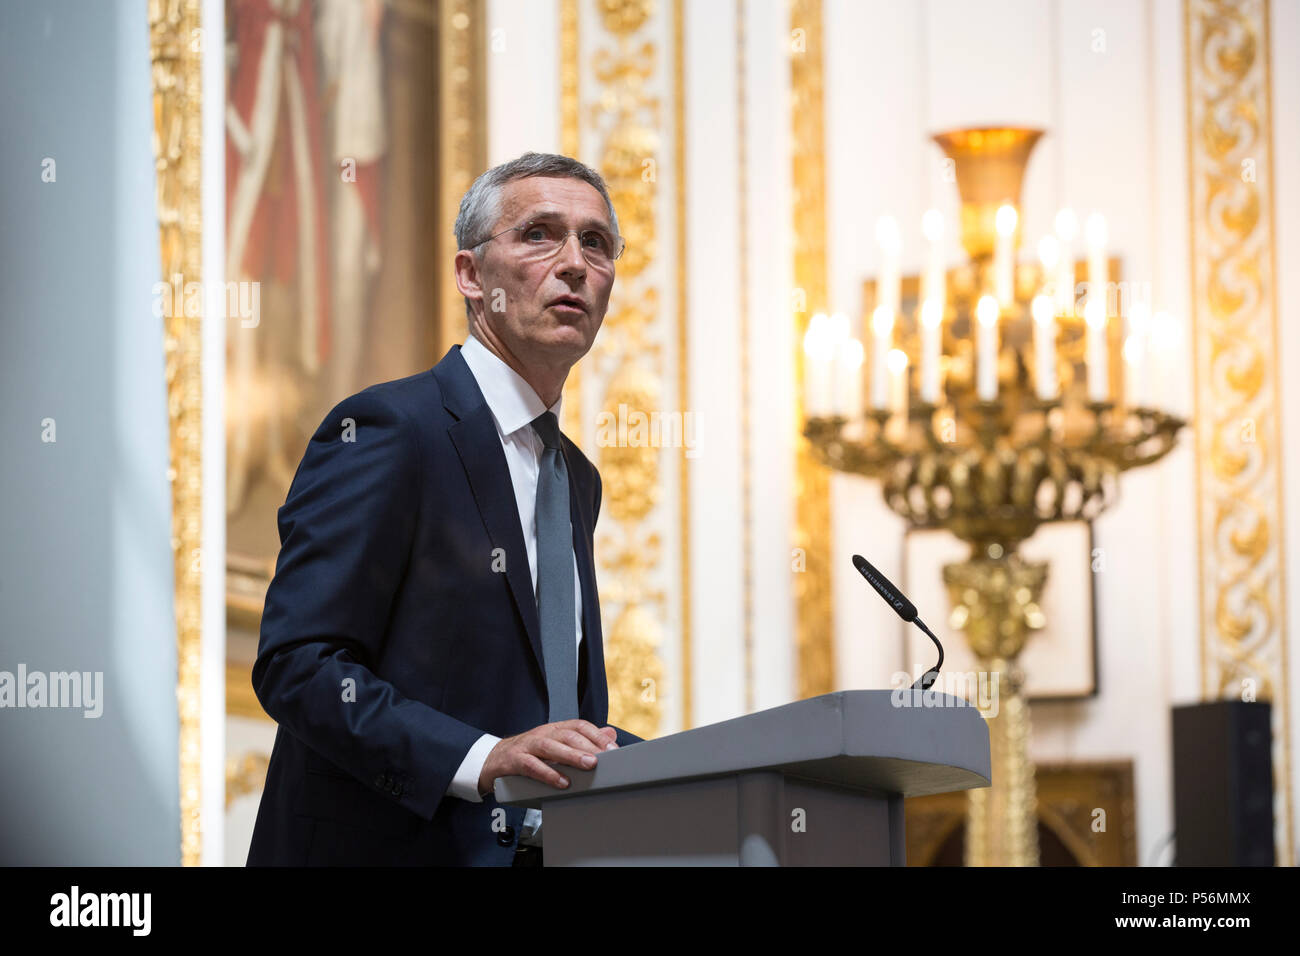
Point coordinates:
[(880, 740)]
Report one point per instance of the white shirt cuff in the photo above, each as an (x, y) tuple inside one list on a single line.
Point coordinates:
[(465, 783)]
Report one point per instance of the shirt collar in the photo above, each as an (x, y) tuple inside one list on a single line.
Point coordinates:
[(512, 401)]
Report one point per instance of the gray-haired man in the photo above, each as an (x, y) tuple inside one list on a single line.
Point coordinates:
[(433, 621)]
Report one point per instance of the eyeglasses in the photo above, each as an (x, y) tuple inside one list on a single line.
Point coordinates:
[(543, 238)]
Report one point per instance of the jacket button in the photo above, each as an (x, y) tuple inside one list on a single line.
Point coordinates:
[(379, 781), (506, 836)]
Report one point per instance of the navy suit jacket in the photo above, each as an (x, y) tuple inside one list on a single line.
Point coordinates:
[(391, 639)]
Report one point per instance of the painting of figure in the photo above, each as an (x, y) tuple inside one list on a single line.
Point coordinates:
[(332, 215)]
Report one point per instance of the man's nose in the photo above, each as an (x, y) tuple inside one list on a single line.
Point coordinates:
[(572, 261)]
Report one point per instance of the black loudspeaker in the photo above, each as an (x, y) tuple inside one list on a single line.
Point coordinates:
[(1223, 784)]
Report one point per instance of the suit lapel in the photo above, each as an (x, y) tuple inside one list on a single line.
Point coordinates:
[(475, 436), (474, 433)]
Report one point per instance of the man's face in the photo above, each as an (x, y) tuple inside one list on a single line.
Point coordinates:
[(521, 295)]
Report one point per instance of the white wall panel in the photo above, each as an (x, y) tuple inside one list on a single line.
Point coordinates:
[(874, 167), (771, 345), (712, 268), (523, 78)]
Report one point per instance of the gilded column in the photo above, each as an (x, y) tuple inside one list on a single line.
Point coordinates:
[(462, 151), (1238, 418), (613, 93), (177, 107), (812, 534)]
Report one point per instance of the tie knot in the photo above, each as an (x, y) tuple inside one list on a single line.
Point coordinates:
[(548, 428)]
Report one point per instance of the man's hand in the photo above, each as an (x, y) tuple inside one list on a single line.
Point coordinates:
[(571, 742)]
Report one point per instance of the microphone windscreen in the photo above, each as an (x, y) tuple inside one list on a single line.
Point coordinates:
[(893, 597)]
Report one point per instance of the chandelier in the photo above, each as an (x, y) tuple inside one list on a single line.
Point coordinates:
[(989, 398)]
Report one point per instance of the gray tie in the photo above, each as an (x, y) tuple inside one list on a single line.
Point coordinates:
[(555, 605)]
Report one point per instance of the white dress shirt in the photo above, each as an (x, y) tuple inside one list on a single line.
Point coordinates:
[(514, 405)]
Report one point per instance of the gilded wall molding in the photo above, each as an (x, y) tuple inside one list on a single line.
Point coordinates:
[(462, 151), (1238, 408), (175, 54), (612, 114), (245, 775), (811, 577)]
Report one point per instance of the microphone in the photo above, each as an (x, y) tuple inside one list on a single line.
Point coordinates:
[(905, 609)]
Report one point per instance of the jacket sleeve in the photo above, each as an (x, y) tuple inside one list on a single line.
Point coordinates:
[(346, 534), (624, 738)]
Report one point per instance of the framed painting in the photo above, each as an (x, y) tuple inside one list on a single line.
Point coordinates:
[(352, 128)]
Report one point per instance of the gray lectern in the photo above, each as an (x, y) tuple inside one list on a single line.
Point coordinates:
[(819, 782)]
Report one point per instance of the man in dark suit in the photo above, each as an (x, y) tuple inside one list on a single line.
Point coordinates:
[(433, 622)]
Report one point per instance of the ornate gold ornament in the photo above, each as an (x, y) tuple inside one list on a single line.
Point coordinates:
[(810, 564), (175, 53), (1236, 344), (620, 116), (462, 107)]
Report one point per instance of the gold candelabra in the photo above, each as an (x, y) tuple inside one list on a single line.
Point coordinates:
[(997, 404)]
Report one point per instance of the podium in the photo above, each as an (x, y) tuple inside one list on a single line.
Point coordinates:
[(819, 782)]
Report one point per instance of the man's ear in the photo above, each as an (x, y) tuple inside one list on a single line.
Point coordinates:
[(469, 281)]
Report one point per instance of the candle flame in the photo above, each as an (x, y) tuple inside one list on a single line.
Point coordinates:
[(987, 310), (882, 320), (1006, 220), (1067, 224), (1095, 311), (852, 353), (931, 313), (932, 225), (887, 234), (817, 343), (1049, 252), (1043, 309)]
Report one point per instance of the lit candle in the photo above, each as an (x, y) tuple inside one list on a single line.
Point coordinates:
[(837, 327), (933, 281), (1004, 256), (882, 328), (1096, 237), (891, 245), (931, 350), (1049, 254), (817, 367), (1067, 227), (846, 390), (1137, 356), (1044, 312), (898, 388), (1098, 361), (986, 313), (849, 378)]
